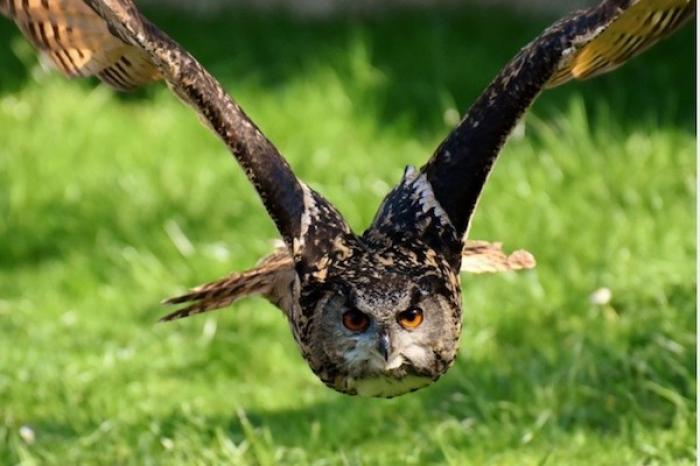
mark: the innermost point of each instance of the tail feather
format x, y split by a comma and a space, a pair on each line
484, 257
267, 279
274, 274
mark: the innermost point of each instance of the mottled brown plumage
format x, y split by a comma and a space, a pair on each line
379, 313
272, 276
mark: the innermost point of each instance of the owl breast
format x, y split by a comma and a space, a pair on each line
385, 386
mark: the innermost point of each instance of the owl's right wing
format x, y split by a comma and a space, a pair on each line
111, 39
78, 42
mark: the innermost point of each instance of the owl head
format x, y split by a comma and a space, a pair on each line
383, 334
380, 315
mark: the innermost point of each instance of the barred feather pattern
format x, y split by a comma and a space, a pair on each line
643, 24
78, 43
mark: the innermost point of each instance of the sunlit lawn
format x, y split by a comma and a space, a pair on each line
110, 203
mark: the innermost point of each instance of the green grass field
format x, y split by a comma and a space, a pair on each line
110, 203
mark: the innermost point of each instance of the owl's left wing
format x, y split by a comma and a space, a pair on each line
642, 25
583, 44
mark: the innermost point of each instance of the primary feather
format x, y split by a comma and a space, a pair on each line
643, 24
79, 43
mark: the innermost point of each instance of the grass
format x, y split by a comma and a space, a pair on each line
109, 203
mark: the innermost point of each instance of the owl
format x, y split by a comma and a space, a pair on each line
377, 313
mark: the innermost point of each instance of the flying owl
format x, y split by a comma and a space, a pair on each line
378, 313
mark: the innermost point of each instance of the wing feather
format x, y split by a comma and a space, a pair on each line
78, 42
642, 25
580, 45
110, 39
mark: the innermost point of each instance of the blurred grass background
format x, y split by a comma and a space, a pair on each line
108, 203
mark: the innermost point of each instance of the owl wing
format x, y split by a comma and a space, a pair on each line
642, 25
274, 276
78, 42
111, 39
583, 44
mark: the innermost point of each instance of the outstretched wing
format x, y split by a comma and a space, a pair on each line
78, 42
274, 277
111, 39
583, 44
643, 24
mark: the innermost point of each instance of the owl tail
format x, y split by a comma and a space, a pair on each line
271, 279
484, 257
274, 277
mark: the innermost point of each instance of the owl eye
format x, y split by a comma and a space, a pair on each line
355, 320
411, 318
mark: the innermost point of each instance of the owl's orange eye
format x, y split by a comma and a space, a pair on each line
411, 318
355, 320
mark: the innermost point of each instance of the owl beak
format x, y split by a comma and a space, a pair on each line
384, 345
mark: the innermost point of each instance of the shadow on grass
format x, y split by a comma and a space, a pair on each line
588, 383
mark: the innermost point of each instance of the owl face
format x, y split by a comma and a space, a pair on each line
385, 336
